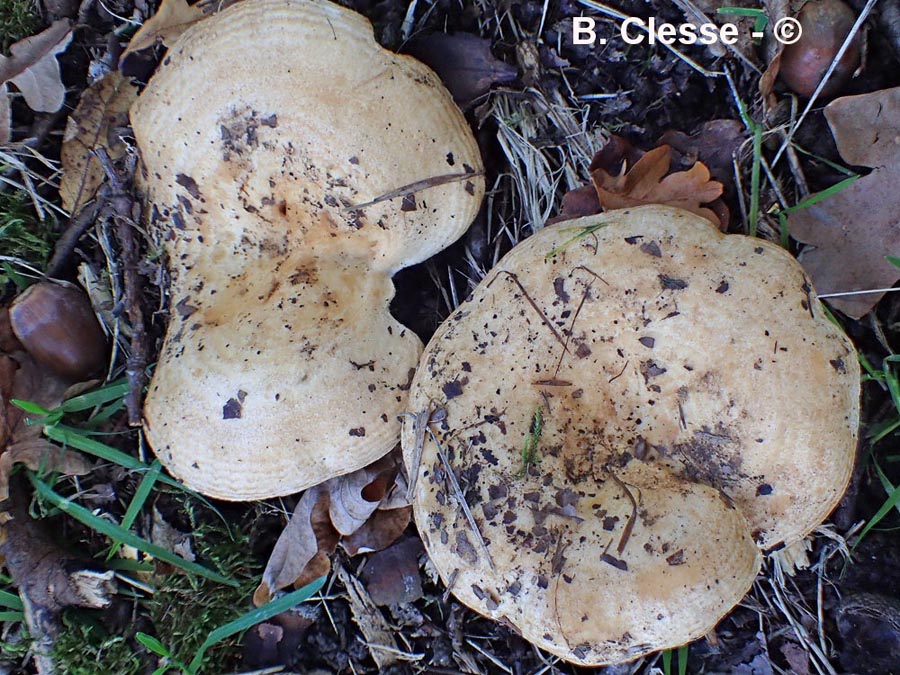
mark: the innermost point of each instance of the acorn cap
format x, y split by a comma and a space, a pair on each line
635, 404
266, 135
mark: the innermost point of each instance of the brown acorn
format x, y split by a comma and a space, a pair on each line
825, 24
57, 326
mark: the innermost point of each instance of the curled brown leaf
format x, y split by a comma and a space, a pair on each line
32, 67
171, 19
361, 507
647, 183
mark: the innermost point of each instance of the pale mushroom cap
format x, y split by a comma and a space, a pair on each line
698, 369
263, 128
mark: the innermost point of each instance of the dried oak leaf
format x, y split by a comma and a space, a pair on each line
846, 251
171, 19
97, 122
33, 68
21, 378
339, 507
647, 183
379, 531
303, 548
464, 63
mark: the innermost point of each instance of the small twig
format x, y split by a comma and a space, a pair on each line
120, 207
616, 377
629, 526
421, 420
865, 292
78, 225
534, 306
461, 500
587, 269
584, 297
419, 185
796, 170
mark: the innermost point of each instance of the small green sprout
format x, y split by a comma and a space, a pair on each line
581, 232
532, 439
760, 18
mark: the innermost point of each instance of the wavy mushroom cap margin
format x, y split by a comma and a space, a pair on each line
634, 407
276, 140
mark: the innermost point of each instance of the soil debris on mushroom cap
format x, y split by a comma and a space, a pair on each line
696, 407
287, 190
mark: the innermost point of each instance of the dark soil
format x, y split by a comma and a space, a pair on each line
657, 93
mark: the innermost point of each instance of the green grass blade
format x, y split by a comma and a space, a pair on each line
741, 11
876, 375
255, 616
29, 407
581, 233
683, 659
889, 487
890, 378
824, 194
784, 230
141, 494
74, 438
119, 533
137, 502
667, 662
890, 503
126, 565
92, 399
894, 260
883, 430
105, 413
21, 282
152, 644
831, 317
827, 162
11, 600
12, 616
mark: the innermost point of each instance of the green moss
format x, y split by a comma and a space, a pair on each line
22, 234
18, 20
186, 609
85, 648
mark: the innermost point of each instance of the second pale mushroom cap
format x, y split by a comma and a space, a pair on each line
684, 402
265, 136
